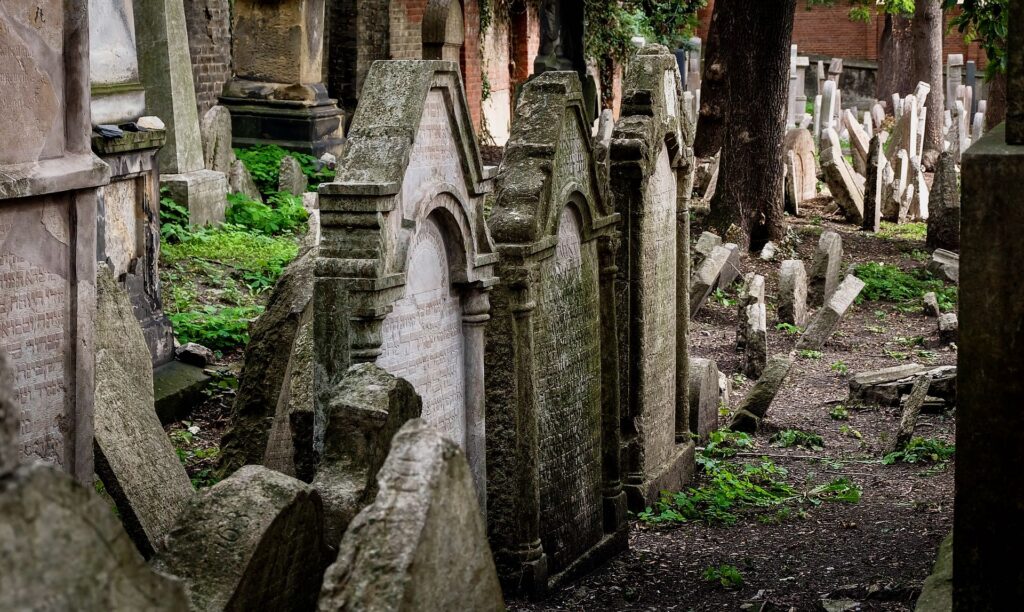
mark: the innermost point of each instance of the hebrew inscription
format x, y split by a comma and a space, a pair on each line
34, 321
569, 396
423, 339
434, 159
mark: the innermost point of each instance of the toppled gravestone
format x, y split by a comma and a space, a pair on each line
731, 269
706, 243
291, 179
911, 410
266, 374
422, 544
754, 406
828, 318
886, 387
706, 276
704, 397
251, 542
841, 178
134, 457
945, 265
826, 269
290, 449
366, 410
793, 293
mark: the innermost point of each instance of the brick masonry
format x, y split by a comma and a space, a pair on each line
209, 42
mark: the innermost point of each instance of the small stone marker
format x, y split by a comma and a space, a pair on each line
8, 417
134, 456
826, 269
800, 143
704, 397
706, 276
240, 181
291, 179
366, 410
706, 243
944, 206
931, 305
945, 265
911, 410
751, 292
216, 132
754, 406
875, 187
251, 542
828, 318
63, 549
422, 544
949, 328
793, 293
756, 346
731, 269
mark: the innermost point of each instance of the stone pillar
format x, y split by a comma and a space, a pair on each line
954, 77
48, 181
277, 95
614, 498
117, 95
476, 311
166, 73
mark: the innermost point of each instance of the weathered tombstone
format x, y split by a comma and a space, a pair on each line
945, 265
646, 153
841, 179
756, 334
826, 268
406, 262
859, 141
793, 293
277, 95
704, 397
366, 410
290, 177
954, 77
817, 118
562, 29
911, 410
166, 73
731, 270
751, 292
754, 407
706, 276
874, 189
829, 106
218, 154
803, 172
706, 243
443, 31
828, 317
252, 542
422, 544
949, 328
134, 456
48, 180
944, 213
552, 372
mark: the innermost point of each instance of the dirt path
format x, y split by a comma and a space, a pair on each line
876, 552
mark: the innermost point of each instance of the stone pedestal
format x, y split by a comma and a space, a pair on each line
117, 95
203, 192
989, 483
277, 96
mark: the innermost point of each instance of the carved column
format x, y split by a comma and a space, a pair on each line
611, 463
476, 312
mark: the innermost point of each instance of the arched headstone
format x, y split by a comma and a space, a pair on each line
443, 30
406, 262
554, 496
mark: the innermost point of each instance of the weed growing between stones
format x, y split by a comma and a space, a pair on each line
198, 457
922, 450
903, 231
264, 163
886, 282
788, 438
726, 575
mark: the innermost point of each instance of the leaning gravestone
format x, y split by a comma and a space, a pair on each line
944, 216
803, 171
826, 268
134, 456
847, 186
828, 318
405, 261
874, 188
555, 501
754, 407
251, 542
422, 544
48, 180
646, 153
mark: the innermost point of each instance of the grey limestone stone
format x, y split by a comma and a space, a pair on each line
291, 179
251, 542
949, 327
944, 206
886, 387
706, 243
706, 276
841, 179
134, 457
203, 192
875, 187
240, 181
756, 345
422, 544
828, 317
751, 292
931, 304
195, 354
826, 269
731, 269
911, 410
937, 590
216, 131
8, 417
704, 397
793, 293
945, 265
752, 410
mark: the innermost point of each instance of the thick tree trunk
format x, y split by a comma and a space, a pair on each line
996, 96
895, 59
750, 180
927, 29
713, 86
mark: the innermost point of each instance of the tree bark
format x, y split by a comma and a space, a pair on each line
713, 85
755, 38
996, 96
895, 58
927, 27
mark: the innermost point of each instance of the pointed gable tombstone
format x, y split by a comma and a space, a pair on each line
647, 151
554, 496
405, 261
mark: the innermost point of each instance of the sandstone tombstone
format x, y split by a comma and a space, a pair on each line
793, 293
216, 131
827, 268
829, 316
646, 154
48, 181
704, 397
555, 499
134, 456
803, 173
406, 261
706, 276
251, 542
290, 177
944, 216
422, 544
241, 181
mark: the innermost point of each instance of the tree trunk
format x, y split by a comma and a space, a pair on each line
755, 40
713, 86
927, 27
996, 96
895, 59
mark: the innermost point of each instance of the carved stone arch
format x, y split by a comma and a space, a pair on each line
443, 30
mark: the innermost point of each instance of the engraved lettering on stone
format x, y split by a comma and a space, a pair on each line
569, 396
435, 158
34, 316
670, 92
571, 160
423, 339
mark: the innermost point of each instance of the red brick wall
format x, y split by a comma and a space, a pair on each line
209, 43
472, 74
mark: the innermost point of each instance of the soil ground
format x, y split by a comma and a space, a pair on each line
875, 553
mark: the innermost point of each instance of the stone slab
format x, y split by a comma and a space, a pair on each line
754, 407
177, 389
826, 268
203, 192
793, 293
706, 277
704, 397
827, 319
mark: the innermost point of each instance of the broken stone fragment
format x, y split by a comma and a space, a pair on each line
945, 265
931, 305
911, 410
755, 405
194, 354
948, 328
731, 269
751, 292
251, 542
828, 318
422, 544
793, 293
756, 348
886, 387
704, 397
768, 251
706, 243
706, 276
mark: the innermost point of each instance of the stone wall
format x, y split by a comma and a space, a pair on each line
209, 43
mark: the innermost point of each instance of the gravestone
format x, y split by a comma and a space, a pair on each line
751, 292
290, 177
422, 544
555, 500
859, 141
48, 181
828, 317
252, 542
954, 77
754, 407
277, 95
647, 152
134, 456
562, 47
826, 268
944, 213
406, 261
847, 187
874, 188
704, 397
706, 276
218, 154
793, 293
803, 172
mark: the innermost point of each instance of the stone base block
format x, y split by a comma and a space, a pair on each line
671, 476
292, 125
609, 546
177, 389
203, 192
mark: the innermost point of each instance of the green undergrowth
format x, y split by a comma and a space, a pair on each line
197, 455
903, 231
789, 438
889, 283
264, 164
922, 450
731, 490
